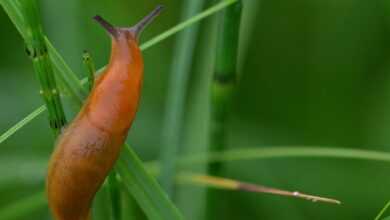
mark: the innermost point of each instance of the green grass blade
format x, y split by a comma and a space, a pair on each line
223, 4
22, 123
285, 152
115, 195
382, 211
144, 188
11, 8
100, 209
177, 90
277, 152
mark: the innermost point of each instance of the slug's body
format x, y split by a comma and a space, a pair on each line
89, 147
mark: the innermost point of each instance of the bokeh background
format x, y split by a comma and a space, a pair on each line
312, 72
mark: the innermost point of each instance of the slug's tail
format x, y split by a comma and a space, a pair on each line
135, 30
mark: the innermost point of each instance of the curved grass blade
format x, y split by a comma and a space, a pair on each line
22, 123
175, 101
285, 152
383, 210
185, 24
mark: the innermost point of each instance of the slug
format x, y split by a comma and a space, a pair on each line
87, 149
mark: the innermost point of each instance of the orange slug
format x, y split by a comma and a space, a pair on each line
88, 148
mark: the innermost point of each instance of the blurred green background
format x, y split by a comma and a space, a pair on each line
312, 72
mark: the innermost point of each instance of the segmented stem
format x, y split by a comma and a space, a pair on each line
222, 91
36, 49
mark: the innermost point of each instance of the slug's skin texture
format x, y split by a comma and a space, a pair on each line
90, 145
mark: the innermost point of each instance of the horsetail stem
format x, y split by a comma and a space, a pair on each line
36, 49
222, 91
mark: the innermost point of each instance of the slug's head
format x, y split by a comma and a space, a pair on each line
132, 33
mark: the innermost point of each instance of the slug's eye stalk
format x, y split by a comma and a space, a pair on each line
106, 25
137, 29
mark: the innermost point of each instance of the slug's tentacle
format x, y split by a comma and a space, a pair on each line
106, 25
140, 26
135, 30
88, 148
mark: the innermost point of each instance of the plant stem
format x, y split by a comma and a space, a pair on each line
90, 67
177, 89
100, 209
111, 186
115, 195
222, 91
37, 50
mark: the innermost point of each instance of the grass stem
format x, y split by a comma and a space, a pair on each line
37, 50
177, 90
90, 69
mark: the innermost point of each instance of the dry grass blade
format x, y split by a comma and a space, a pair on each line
231, 184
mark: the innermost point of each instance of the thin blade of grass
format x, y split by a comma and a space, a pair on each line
22, 123
11, 8
285, 152
177, 90
100, 209
144, 188
223, 4
231, 184
115, 195
382, 211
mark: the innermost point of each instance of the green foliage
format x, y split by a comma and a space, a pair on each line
312, 73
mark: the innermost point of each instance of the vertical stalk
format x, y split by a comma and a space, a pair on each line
182, 59
111, 186
90, 67
222, 91
115, 195
37, 50
100, 209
